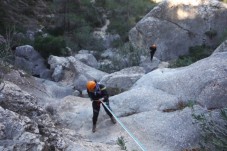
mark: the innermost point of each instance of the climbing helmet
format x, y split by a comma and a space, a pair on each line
91, 85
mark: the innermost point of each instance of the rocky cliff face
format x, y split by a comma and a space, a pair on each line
176, 25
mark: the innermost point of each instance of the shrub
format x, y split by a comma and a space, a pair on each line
85, 39
50, 45
214, 133
211, 33
128, 56
122, 143
124, 14
195, 53
5, 52
55, 31
223, 36
199, 52
181, 62
5, 59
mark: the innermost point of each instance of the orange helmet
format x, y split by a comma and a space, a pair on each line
91, 85
153, 46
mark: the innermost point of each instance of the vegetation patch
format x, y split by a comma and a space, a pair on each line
128, 56
180, 105
211, 33
50, 45
122, 143
213, 132
195, 53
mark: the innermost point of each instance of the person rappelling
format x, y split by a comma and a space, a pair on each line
98, 95
153, 49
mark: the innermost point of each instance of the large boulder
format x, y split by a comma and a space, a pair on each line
159, 103
31, 61
175, 25
19, 132
18, 100
122, 80
45, 90
203, 81
74, 71
85, 70
87, 59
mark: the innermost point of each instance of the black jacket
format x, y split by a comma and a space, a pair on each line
100, 92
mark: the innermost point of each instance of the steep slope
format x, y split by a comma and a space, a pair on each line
28, 14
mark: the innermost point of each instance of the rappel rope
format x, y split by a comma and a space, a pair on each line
132, 136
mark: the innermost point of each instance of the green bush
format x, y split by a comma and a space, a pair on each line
211, 33
128, 56
214, 133
86, 40
55, 31
225, 1
80, 18
124, 14
28, 12
50, 45
122, 143
195, 53
223, 36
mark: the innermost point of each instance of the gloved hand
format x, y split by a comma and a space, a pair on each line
101, 99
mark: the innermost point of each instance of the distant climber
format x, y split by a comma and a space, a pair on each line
97, 93
152, 50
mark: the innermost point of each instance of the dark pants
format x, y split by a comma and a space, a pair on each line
152, 52
96, 109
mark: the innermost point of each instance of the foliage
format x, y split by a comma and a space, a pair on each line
128, 56
124, 14
195, 53
73, 14
50, 45
214, 133
180, 105
5, 47
2, 18
225, 1
181, 62
223, 36
76, 20
85, 39
79, 19
211, 33
5, 53
55, 31
122, 143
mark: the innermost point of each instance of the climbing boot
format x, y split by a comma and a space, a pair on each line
113, 120
94, 128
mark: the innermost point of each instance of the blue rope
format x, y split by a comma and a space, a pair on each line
133, 137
